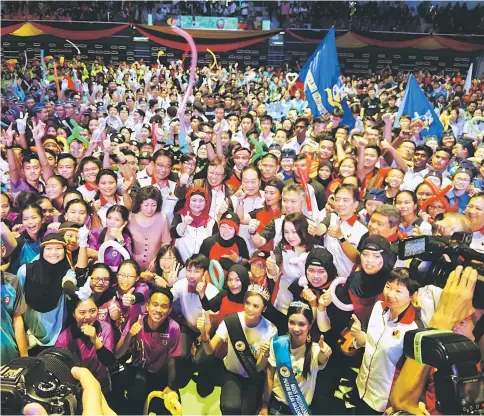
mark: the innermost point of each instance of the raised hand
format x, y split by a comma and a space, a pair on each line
200, 288
308, 295
271, 264
356, 327
136, 328
128, 298
114, 309
188, 219
325, 300
265, 349
89, 331
253, 225
232, 256
325, 348
334, 229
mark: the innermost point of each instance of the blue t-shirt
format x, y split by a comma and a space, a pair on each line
13, 304
44, 326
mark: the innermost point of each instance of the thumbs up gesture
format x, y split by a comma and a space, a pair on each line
309, 296
136, 328
356, 327
202, 327
200, 288
253, 225
265, 349
324, 300
188, 219
272, 265
128, 299
325, 349
334, 229
114, 309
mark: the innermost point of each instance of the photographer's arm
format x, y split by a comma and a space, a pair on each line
454, 306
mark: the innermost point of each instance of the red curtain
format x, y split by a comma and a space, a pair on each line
79, 35
458, 45
12, 28
221, 47
390, 44
302, 38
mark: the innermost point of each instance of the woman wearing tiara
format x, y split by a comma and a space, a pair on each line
248, 335
294, 362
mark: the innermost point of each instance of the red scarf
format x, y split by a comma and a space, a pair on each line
198, 220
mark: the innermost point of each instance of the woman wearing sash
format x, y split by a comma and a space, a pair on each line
294, 362
248, 335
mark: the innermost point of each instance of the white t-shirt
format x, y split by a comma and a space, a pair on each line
307, 385
190, 303
264, 332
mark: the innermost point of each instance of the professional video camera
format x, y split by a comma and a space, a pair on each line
427, 252
459, 386
45, 379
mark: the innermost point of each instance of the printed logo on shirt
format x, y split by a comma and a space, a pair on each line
6, 300
102, 314
240, 346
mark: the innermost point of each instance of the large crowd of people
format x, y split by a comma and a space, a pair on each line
357, 16
164, 242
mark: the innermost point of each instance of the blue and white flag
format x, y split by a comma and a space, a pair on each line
417, 106
323, 86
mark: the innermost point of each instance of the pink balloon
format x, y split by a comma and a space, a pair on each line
193, 69
332, 291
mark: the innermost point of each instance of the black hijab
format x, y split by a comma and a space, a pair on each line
43, 280
325, 182
366, 285
243, 274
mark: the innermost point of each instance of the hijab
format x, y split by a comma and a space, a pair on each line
365, 285
243, 274
43, 281
325, 182
202, 219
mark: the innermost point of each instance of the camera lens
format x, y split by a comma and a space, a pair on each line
59, 362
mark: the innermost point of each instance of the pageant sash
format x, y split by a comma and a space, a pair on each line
240, 344
294, 396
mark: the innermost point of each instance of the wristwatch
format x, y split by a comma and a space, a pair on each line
341, 240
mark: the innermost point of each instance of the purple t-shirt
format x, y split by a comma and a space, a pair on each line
129, 315
73, 340
153, 348
112, 257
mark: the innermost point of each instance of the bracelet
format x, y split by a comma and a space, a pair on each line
9, 147
341, 240
254, 233
240, 260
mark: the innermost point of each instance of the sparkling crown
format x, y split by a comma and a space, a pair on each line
299, 304
261, 290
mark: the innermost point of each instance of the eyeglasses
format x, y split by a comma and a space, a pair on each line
126, 276
168, 258
96, 280
189, 163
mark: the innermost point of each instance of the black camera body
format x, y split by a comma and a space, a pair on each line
45, 379
433, 250
459, 386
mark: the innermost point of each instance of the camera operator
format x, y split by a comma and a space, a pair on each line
454, 306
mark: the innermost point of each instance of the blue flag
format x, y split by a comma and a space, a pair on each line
417, 106
323, 86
